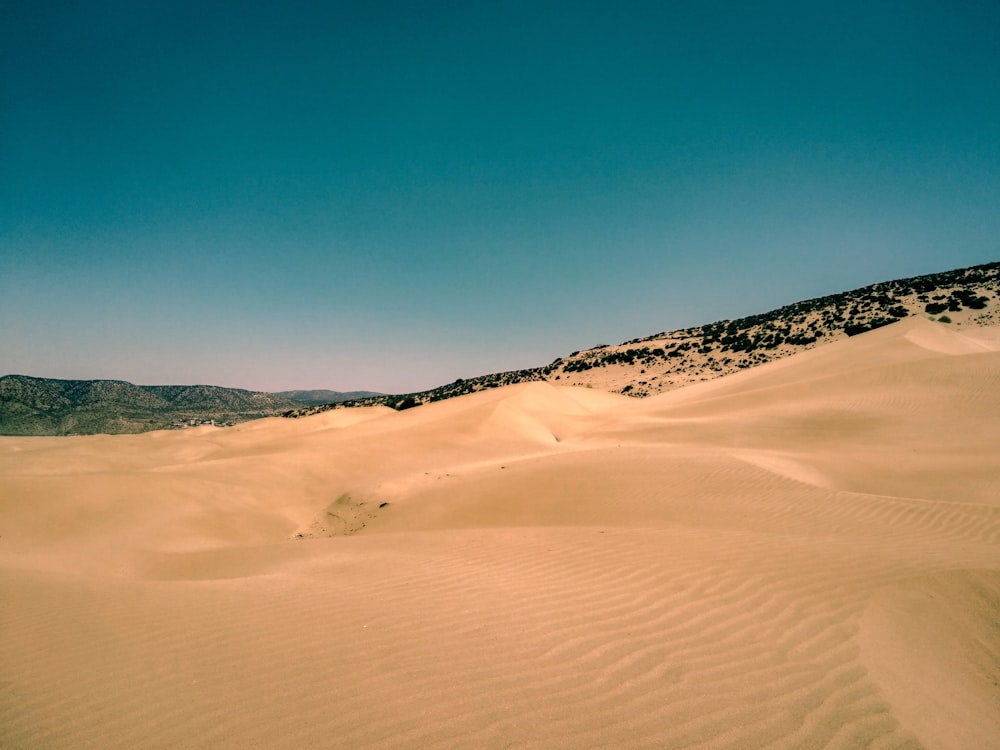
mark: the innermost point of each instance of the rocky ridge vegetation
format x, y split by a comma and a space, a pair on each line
664, 361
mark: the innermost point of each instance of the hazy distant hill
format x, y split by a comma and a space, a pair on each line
664, 361
314, 398
44, 406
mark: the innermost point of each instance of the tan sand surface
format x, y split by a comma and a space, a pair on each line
802, 555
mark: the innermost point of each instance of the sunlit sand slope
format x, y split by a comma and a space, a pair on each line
803, 555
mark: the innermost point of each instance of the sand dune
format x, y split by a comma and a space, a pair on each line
802, 555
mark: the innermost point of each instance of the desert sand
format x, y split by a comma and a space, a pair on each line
801, 555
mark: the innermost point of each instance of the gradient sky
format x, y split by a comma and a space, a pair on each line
389, 196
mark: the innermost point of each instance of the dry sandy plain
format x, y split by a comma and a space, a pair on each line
802, 555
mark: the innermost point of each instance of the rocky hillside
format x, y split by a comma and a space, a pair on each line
668, 360
44, 406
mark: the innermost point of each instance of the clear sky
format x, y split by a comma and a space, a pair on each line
389, 196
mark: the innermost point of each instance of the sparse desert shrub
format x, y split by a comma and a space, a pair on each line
970, 299
579, 365
944, 319
853, 329
739, 343
800, 339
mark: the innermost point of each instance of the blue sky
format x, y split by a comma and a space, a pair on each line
389, 196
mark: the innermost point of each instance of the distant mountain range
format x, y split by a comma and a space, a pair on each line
640, 367
45, 406
664, 361
315, 398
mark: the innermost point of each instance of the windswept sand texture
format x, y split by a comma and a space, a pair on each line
801, 555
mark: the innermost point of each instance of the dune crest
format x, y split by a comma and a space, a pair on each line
945, 340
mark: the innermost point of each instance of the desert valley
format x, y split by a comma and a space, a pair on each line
528, 376
799, 554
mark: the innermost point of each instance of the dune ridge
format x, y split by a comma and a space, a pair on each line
802, 555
